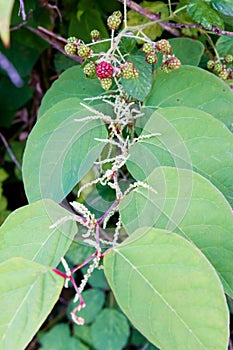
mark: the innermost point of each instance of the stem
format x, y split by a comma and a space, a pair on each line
212, 45
11, 154
125, 14
97, 236
60, 273
22, 10
101, 219
79, 266
170, 7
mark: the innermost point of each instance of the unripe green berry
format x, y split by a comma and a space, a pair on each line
84, 51
164, 46
135, 73
223, 74
228, 58
95, 35
71, 40
117, 14
127, 70
89, 69
106, 83
218, 67
210, 64
147, 48
70, 49
151, 58
114, 21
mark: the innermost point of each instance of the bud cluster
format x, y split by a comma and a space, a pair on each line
219, 67
111, 65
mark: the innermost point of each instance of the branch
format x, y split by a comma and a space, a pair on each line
151, 16
8, 67
171, 26
54, 40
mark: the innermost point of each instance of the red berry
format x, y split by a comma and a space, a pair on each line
104, 70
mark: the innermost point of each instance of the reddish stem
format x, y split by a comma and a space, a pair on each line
60, 273
101, 219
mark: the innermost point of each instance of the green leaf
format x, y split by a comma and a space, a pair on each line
223, 6
139, 87
83, 333
58, 338
224, 45
5, 18
61, 150
110, 331
191, 206
71, 83
9, 105
28, 50
27, 233
190, 139
162, 282
202, 13
193, 87
63, 62
94, 300
194, 49
82, 24
28, 292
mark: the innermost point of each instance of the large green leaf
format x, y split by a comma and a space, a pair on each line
193, 87
190, 138
72, 83
193, 50
203, 14
169, 291
27, 233
28, 292
223, 6
61, 150
224, 45
190, 205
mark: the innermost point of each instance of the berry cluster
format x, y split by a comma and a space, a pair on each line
111, 65
170, 62
220, 68
75, 46
128, 70
114, 21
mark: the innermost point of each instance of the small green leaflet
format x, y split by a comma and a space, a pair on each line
202, 13
223, 6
